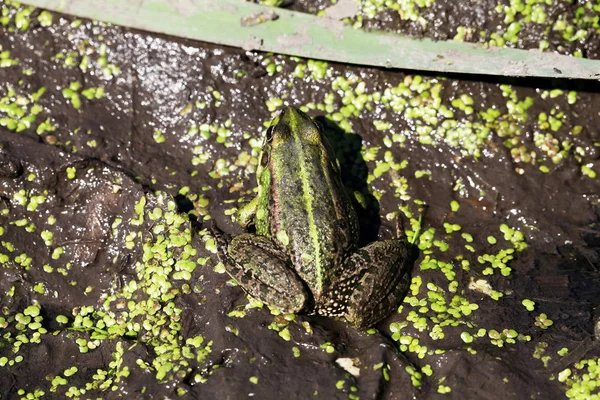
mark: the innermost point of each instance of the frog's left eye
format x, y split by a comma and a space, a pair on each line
269, 136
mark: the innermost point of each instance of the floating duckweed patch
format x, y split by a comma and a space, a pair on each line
19, 111
141, 311
407, 10
416, 101
167, 255
565, 27
581, 380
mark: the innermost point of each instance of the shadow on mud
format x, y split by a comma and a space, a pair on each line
354, 176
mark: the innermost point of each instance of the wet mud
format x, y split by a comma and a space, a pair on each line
106, 265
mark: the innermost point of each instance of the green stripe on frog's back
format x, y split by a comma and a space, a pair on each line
310, 203
262, 212
265, 178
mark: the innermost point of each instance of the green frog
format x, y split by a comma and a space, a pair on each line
304, 255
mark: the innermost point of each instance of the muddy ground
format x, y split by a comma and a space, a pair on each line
118, 148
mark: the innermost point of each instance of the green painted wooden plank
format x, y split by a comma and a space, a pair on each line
304, 35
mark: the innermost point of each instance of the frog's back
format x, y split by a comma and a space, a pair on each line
316, 215
310, 212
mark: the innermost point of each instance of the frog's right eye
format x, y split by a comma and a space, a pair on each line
319, 126
269, 136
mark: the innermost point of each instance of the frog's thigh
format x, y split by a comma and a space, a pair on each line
263, 271
383, 278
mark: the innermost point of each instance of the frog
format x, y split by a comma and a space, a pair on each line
303, 255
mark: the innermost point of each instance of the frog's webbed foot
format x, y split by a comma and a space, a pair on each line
380, 280
263, 271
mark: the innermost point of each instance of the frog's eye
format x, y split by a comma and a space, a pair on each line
319, 126
269, 136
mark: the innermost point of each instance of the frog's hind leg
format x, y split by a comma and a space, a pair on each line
380, 280
263, 271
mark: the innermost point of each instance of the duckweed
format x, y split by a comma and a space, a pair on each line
328, 347
444, 389
71, 94
563, 352
528, 304
406, 10
543, 321
454, 206
415, 376
581, 380
5, 60
587, 170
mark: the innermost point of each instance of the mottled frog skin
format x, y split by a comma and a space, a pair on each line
304, 255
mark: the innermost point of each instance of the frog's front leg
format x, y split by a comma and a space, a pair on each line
380, 279
247, 213
263, 271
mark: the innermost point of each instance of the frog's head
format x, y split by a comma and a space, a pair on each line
294, 139
293, 125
